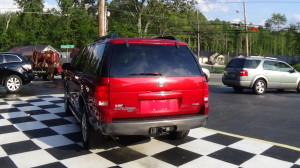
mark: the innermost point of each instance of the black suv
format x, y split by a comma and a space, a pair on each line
15, 71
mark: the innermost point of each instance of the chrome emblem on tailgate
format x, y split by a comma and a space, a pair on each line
161, 82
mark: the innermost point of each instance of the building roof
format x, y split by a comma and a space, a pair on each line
28, 50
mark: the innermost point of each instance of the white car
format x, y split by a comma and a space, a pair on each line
206, 73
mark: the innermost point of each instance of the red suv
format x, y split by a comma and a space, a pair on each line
136, 86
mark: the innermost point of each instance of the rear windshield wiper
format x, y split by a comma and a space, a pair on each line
146, 74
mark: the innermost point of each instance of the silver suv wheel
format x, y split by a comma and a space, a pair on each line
260, 87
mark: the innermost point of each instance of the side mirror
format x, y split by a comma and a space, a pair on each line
292, 71
67, 66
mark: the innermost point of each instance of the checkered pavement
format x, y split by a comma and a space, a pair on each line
36, 132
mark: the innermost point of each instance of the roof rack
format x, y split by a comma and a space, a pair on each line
167, 37
109, 36
272, 58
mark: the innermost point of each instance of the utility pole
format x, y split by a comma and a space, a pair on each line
101, 18
246, 32
198, 38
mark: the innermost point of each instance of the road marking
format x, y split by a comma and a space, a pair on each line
254, 139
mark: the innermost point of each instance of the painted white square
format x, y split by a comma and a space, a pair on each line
200, 133
88, 161
42, 117
65, 129
32, 158
2, 152
147, 162
52, 141
251, 146
14, 115
6, 106
208, 162
298, 162
60, 104
30, 126
51, 99
4, 122
152, 147
40, 103
29, 108
12, 137
56, 110
15, 102
260, 161
202, 147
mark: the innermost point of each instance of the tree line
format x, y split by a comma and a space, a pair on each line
76, 23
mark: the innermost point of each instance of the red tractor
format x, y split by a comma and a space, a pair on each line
46, 64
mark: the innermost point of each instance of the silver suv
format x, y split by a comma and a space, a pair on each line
260, 73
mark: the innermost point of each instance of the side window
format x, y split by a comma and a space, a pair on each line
283, 67
95, 62
270, 65
80, 60
1, 59
251, 64
12, 58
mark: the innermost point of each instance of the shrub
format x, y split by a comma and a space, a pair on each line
297, 67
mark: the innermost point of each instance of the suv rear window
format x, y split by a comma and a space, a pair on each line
243, 63
153, 60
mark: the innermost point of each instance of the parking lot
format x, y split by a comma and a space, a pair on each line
243, 130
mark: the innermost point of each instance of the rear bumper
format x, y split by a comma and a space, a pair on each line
237, 83
143, 127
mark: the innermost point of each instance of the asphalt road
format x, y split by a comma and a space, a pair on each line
273, 116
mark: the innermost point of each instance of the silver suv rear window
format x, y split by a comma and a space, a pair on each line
153, 60
243, 63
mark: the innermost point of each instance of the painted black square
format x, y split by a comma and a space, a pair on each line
63, 114
176, 156
21, 120
51, 165
68, 151
56, 122
233, 156
19, 147
176, 142
37, 133
37, 112
9, 110
282, 154
3, 103
1, 117
49, 106
22, 105
7, 162
222, 139
34, 100
8, 129
75, 137
16, 99
295, 166
57, 101
121, 155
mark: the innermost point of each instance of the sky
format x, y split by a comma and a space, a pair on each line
257, 11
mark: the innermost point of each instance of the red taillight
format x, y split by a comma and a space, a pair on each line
102, 95
205, 92
243, 73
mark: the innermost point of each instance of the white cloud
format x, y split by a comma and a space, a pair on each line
50, 6
8, 6
262, 22
236, 20
216, 6
297, 17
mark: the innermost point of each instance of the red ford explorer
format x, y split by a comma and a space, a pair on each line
136, 86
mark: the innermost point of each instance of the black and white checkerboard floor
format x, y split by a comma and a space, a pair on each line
35, 132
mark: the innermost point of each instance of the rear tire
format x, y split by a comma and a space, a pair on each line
178, 135
67, 104
238, 89
87, 132
13, 84
298, 88
260, 87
